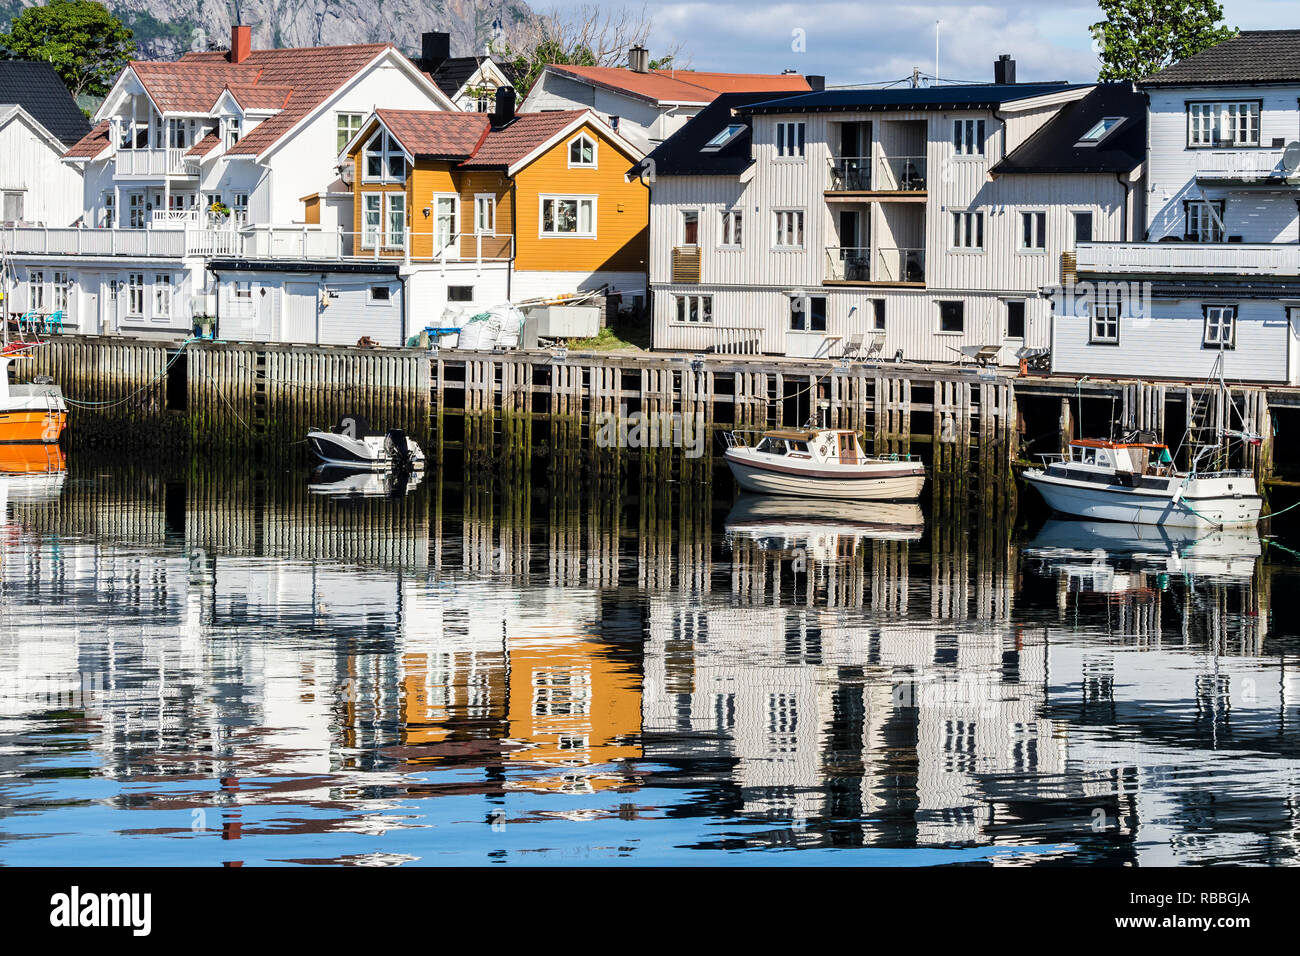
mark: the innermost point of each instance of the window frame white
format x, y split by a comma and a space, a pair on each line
682, 302
544, 198
577, 142
352, 131
791, 148
1220, 310
973, 220
780, 228
969, 137
1109, 313
370, 234
484, 201
388, 150
135, 295
162, 296
395, 240
1207, 120
732, 229
1033, 222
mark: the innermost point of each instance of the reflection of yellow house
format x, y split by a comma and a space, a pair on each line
443, 693
545, 196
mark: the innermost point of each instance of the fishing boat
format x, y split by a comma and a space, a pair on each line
352, 445
821, 463
30, 414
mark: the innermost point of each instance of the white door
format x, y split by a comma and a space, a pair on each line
1293, 345
88, 314
300, 304
805, 334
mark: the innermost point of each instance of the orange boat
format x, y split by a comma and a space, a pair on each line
30, 414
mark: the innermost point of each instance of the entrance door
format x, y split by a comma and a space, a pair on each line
300, 305
88, 318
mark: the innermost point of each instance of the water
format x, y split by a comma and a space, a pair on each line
216, 667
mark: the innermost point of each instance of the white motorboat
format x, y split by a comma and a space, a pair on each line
821, 463
1135, 482
352, 445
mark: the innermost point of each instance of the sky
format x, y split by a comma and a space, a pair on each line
866, 42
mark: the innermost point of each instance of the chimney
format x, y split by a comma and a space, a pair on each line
435, 49
505, 107
1004, 69
816, 83
241, 43
638, 59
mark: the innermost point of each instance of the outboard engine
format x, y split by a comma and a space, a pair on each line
399, 452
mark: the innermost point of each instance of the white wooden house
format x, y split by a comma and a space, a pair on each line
909, 222
38, 121
1216, 276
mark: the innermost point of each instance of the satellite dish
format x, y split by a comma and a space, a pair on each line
347, 172
1291, 159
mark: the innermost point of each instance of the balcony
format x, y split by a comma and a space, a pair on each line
849, 174
154, 163
1188, 258
1239, 167
35, 240
886, 178
885, 266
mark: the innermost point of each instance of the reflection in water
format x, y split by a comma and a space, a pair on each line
217, 668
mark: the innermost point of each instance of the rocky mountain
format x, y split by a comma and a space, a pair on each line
166, 28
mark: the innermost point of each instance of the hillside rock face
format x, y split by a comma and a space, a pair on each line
165, 29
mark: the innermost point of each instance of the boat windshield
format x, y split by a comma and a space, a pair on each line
771, 446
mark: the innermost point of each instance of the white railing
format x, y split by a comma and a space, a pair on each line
1203, 258
1238, 163
155, 162
176, 218
35, 240
312, 243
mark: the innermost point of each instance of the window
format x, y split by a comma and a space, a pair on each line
372, 216
697, 309
380, 293
1220, 326
446, 220
790, 140
239, 208
1204, 220
952, 317
878, 315
1104, 329
968, 230
62, 291
135, 293
349, 124
460, 293
968, 137
110, 212
396, 236
36, 291
243, 289
1033, 230
569, 216
162, 296
732, 232
730, 132
383, 160
690, 227
789, 228
233, 127
135, 211
582, 152
177, 133
485, 214
808, 313
1016, 319
11, 206
1223, 124
1082, 226
1104, 128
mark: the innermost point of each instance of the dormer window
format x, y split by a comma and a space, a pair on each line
383, 159
723, 138
1099, 132
233, 127
582, 152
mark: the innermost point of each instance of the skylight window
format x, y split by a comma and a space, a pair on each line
723, 138
1099, 132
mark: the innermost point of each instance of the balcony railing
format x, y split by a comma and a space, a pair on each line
901, 174
849, 174
1244, 164
154, 162
848, 263
899, 265
34, 240
1188, 258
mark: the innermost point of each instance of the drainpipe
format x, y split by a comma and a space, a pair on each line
1124, 223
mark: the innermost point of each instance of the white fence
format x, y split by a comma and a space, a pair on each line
1204, 258
37, 240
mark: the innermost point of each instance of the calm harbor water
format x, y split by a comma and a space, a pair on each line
217, 668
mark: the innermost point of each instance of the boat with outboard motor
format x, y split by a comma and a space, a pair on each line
821, 463
352, 445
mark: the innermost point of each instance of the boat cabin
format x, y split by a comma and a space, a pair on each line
1137, 458
832, 446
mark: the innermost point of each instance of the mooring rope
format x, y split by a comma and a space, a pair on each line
76, 403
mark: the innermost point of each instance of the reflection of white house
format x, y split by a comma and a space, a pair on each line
39, 120
1217, 274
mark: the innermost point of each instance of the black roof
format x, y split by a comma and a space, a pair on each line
971, 96
1053, 148
1252, 56
681, 155
37, 89
455, 71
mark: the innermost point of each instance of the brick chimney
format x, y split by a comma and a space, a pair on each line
241, 43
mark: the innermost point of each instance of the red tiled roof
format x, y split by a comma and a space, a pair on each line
295, 81
430, 133
507, 146
206, 144
683, 86
90, 145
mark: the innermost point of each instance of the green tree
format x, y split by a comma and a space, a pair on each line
527, 64
86, 45
1141, 37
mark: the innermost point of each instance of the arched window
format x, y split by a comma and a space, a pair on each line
582, 151
383, 160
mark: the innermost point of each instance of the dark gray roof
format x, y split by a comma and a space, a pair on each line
681, 155
971, 96
1252, 56
37, 89
455, 72
1054, 149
